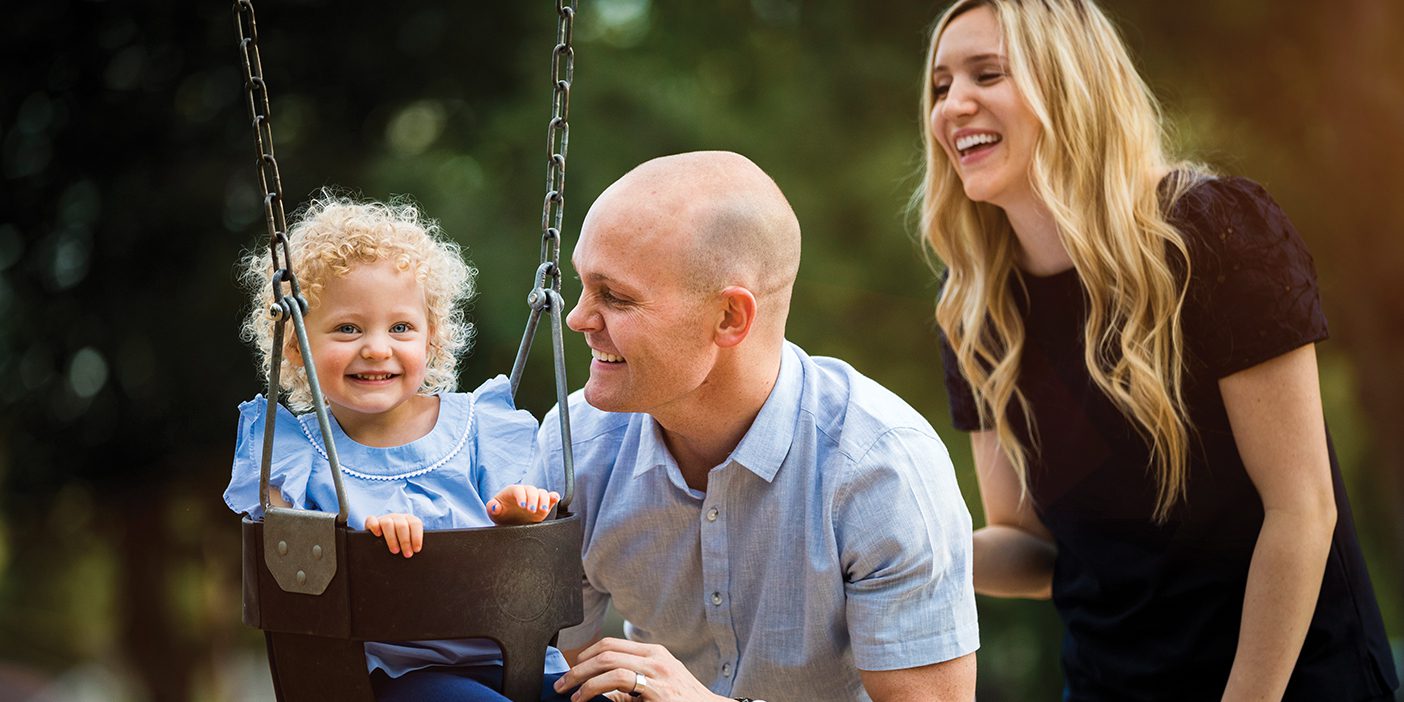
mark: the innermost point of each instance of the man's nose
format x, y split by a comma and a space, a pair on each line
579, 318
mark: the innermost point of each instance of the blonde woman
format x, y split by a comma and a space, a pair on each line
1130, 341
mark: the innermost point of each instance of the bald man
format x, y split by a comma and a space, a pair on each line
770, 525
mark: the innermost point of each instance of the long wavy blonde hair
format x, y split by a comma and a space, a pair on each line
1097, 165
332, 234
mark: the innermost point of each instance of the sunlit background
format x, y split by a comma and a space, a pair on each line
129, 190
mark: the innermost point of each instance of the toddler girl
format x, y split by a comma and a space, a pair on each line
385, 325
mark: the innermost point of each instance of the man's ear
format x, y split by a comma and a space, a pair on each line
739, 311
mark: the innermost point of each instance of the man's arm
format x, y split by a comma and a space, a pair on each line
904, 538
948, 680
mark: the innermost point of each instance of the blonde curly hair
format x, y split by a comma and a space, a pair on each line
334, 233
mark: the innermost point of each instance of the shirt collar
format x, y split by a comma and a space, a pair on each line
766, 444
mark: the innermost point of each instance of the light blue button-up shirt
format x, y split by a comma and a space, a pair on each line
832, 539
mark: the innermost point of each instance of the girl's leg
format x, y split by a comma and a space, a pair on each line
549, 694
440, 684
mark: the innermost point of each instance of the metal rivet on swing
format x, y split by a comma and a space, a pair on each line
317, 552
282, 548
301, 577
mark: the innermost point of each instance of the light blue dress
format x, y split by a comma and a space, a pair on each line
480, 444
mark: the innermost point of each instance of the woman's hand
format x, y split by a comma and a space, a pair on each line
403, 533
521, 504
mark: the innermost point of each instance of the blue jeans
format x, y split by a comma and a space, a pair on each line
455, 684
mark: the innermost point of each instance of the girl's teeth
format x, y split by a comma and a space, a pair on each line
605, 357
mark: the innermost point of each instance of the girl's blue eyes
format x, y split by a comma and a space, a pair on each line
397, 328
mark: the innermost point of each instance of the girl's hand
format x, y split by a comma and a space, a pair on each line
403, 533
521, 504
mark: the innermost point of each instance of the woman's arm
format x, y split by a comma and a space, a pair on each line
1275, 411
1013, 554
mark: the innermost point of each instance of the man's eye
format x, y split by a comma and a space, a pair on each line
401, 328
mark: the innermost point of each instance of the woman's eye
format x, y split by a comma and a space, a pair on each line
989, 76
940, 91
400, 328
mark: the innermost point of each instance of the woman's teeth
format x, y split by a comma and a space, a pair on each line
971, 141
605, 357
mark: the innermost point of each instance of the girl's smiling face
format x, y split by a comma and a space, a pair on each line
369, 335
978, 116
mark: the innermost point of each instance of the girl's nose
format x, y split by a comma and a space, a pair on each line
374, 348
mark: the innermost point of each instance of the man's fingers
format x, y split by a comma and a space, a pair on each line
621, 679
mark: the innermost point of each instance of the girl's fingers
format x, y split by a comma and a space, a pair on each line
373, 526
392, 540
402, 530
417, 534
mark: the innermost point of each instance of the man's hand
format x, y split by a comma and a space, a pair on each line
403, 533
611, 667
521, 504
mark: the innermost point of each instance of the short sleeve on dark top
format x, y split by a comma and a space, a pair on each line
1253, 293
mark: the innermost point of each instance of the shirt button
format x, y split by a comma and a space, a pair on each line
712, 514
716, 598
726, 670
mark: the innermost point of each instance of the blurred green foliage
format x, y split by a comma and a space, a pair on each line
129, 191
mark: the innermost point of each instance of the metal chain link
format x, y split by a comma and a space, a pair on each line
269, 179
557, 144
290, 305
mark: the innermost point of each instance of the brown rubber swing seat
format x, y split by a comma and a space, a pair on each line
516, 585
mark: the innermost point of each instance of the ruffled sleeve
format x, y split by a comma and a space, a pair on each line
1253, 293
505, 439
292, 465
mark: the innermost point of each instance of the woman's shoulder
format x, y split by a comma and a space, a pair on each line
1252, 290
1228, 212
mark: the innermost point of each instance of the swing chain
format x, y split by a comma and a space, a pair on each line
558, 141
269, 178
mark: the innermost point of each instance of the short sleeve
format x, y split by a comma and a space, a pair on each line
505, 439
904, 538
290, 469
1253, 292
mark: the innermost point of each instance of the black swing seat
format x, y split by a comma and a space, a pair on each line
516, 585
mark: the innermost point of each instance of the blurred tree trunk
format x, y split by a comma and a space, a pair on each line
154, 645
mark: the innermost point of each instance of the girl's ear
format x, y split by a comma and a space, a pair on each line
293, 353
